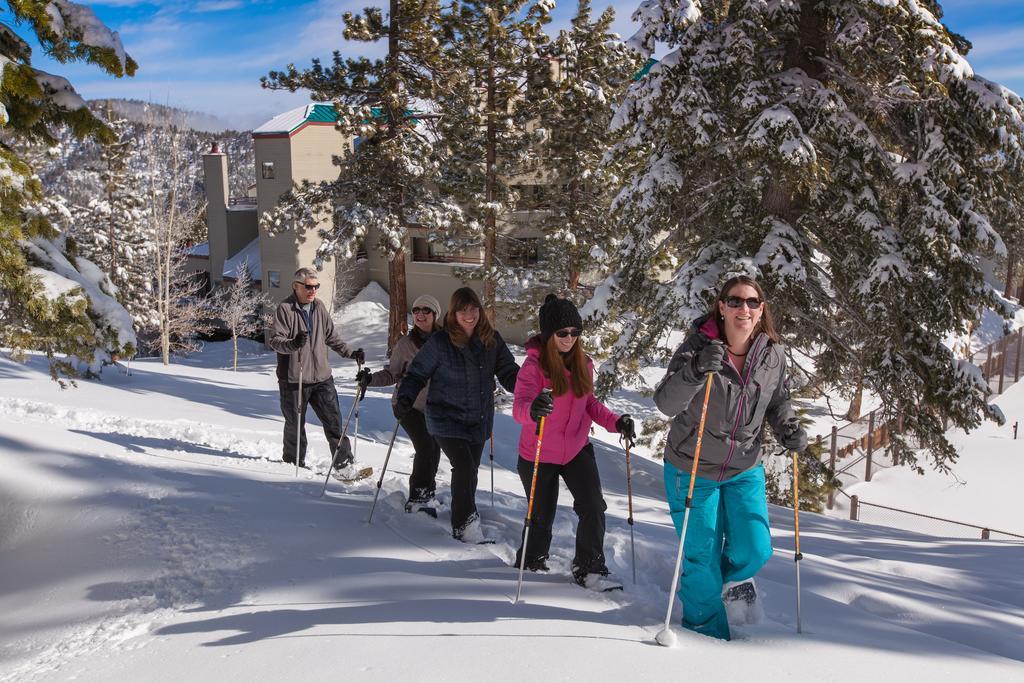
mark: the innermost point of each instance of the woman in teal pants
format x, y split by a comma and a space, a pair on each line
727, 538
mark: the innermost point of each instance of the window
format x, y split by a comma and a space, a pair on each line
274, 277
423, 251
268, 170
524, 251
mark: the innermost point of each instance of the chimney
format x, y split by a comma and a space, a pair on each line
215, 168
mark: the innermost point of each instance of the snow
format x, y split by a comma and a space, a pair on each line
59, 90
247, 255
149, 531
64, 14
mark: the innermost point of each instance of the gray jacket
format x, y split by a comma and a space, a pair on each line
405, 350
738, 407
288, 322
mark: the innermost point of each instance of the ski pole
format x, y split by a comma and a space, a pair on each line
380, 481
797, 556
344, 431
529, 508
665, 636
298, 412
362, 392
629, 501
492, 468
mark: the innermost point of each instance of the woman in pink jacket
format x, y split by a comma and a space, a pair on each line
556, 362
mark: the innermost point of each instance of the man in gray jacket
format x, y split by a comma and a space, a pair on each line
302, 332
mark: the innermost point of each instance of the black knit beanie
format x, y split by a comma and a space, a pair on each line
556, 314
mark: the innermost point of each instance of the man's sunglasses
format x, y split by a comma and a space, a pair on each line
736, 302
421, 311
309, 288
575, 332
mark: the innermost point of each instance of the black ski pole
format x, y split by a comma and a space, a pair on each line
492, 468
629, 502
384, 469
344, 432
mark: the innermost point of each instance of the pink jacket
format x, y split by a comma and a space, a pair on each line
567, 428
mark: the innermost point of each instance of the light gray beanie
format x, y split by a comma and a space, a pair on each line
427, 301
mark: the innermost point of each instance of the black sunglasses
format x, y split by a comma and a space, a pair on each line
575, 332
419, 309
736, 302
309, 288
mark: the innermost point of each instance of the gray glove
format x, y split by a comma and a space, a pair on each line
710, 358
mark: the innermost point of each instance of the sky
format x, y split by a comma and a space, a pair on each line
208, 55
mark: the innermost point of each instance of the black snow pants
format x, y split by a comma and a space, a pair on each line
423, 481
322, 397
465, 459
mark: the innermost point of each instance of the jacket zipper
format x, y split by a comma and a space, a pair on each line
739, 408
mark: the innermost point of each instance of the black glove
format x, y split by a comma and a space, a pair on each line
541, 406
624, 426
358, 356
300, 340
402, 407
363, 378
710, 358
794, 438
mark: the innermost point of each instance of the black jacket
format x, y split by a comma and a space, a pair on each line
460, 400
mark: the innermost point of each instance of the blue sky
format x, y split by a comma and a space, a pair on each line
208, 55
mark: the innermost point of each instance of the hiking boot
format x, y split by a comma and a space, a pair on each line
598, 580
351, 471
742, 605
535, 564
471, 531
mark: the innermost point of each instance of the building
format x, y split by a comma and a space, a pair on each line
300, 145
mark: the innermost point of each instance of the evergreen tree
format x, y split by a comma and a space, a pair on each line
593, 70
113, 230
387, 180
49, 299
488, 129
839, 150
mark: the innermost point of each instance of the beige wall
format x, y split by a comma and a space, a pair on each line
242, 228
215, 171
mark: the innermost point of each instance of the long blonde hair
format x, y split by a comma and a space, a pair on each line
576, 362
462, 298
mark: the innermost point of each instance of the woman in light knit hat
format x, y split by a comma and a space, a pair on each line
426, 312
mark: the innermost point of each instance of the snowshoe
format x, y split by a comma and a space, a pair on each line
351, 473
599, 581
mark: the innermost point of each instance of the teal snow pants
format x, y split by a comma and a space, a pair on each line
727, 539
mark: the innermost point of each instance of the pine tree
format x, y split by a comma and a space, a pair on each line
387, 180
593, 70
487, 129
49, 299
242, 306
839, 150
113, 230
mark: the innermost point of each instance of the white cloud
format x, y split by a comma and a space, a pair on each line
996, 43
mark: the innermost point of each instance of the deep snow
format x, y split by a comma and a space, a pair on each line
148, 531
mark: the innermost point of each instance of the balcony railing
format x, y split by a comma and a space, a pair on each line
242, 201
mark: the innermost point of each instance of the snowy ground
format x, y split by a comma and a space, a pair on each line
149, 532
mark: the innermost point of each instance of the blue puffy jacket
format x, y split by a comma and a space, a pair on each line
460, 400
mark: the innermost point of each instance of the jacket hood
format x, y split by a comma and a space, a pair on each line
706, 325
533, 346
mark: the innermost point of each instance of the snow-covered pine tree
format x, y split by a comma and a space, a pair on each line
593, 70
49, 299
243, 308
113, 230
838, 150
387, 181
488, 129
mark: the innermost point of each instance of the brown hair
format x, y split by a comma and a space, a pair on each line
554, 366
463, 298
766, 324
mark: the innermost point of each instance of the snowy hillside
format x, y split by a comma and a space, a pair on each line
149, 531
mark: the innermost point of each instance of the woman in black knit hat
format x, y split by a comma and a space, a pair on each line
556, 362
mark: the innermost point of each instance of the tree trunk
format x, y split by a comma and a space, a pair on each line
234, 348
1011, 267
490, 224
853, 414
397, 324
